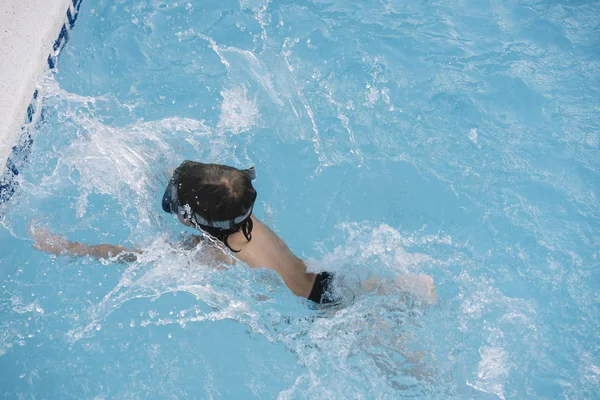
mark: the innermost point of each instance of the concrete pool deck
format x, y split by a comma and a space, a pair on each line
29, 32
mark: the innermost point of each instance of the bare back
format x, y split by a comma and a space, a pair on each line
267, 250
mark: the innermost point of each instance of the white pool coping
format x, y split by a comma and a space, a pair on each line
28, 32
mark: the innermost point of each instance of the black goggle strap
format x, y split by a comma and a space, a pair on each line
171, 204
225, 239
223, 235
247, 226
211, 238
225, 225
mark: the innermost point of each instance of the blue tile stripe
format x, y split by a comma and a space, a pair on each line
62, 38
20, 152
72, 19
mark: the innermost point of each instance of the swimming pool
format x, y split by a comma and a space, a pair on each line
459, 140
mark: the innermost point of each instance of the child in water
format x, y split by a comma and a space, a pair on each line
218, 200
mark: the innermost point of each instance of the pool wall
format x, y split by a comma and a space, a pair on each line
32, 34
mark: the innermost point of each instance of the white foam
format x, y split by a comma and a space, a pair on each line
372, 95
20, 308
383, 246
473, 136
239, 111
492, 370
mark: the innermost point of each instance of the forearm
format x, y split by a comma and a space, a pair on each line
105, 251
419, 285
52, 243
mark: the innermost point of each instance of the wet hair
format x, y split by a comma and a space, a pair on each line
217, 193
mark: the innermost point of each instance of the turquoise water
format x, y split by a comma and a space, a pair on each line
456, 139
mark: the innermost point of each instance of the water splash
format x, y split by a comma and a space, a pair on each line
238, 112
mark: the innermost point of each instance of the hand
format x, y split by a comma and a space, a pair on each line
47, 241
421, 286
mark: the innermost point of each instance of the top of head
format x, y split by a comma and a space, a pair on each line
215, 192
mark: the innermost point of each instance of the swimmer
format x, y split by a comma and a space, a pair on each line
218, 200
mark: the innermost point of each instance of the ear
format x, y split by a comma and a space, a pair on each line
252, 173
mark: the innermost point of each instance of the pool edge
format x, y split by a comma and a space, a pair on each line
32, 37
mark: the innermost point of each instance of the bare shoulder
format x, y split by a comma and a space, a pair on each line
265, 249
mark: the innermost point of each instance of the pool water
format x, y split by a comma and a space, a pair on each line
456, 139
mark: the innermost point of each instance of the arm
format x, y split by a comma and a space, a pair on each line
421, 286
56, 244
101, 251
